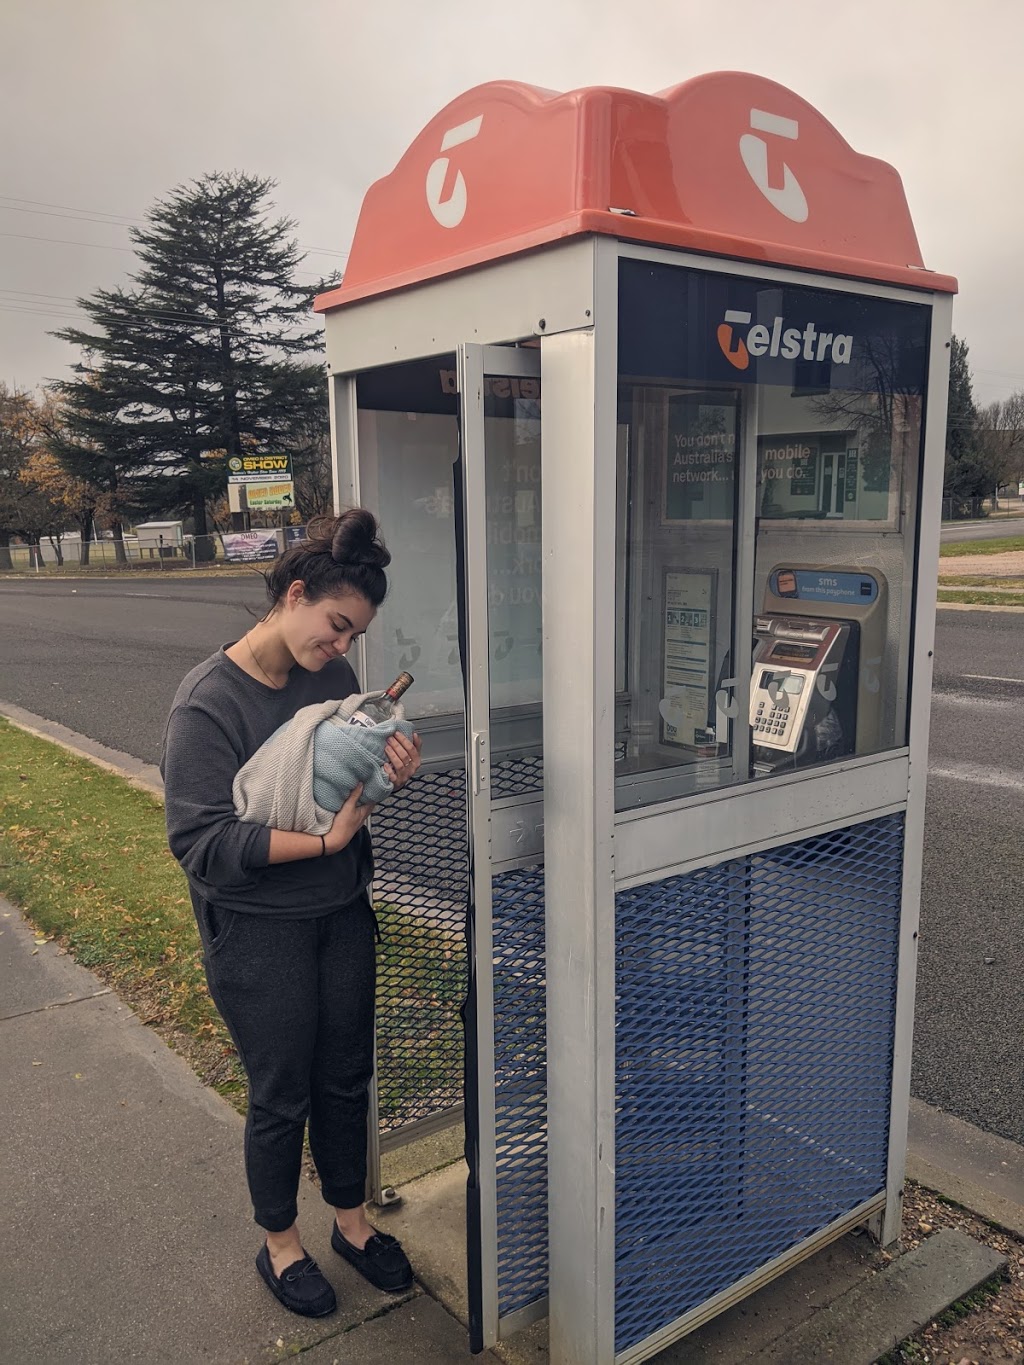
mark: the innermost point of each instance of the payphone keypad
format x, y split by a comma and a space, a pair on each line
777, 706
791, 660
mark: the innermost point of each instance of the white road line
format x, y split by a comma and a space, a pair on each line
978, 775
989, 677
975, 703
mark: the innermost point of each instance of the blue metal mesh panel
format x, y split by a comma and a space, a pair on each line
420, 890
754, 1036
517, 776
520, 1090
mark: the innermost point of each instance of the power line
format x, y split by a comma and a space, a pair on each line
151, 320
65, 241
116, 220
99, 213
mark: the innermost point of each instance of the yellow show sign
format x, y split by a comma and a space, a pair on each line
262, 496
259, 468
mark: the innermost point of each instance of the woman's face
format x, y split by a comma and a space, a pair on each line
318, 631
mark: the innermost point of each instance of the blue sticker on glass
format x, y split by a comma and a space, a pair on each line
813, 585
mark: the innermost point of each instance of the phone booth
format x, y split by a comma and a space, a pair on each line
648, 392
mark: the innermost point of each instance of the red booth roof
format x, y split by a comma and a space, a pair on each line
727, 164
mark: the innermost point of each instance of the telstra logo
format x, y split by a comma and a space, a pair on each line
793, 343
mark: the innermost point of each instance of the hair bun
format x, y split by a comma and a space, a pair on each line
351, 538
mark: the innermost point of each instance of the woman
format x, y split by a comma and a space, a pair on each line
285, 918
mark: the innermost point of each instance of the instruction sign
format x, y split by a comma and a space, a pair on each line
686, 691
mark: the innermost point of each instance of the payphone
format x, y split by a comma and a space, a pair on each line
817, 650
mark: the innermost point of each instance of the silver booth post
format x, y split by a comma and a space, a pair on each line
649, 395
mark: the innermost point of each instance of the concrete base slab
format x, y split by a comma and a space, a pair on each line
873, 1317
431, 1225
844, 1305
419, 1332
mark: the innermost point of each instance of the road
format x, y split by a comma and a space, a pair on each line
104, 658
969, 1056
982, 530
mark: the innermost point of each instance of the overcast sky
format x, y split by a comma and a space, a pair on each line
107, 104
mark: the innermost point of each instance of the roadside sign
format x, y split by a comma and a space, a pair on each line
261, 496
247, 547
259, 468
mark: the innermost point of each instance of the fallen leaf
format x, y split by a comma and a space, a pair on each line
40, 941
37, 1063
78, 1075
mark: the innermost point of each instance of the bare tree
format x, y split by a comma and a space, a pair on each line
1001, 438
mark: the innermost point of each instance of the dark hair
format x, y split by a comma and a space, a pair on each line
339, 554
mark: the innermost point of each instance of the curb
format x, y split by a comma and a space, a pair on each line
133, 770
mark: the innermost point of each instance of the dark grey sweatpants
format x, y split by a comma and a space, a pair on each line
297, 996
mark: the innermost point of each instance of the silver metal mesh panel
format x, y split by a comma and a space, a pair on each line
420, 891
754, 1037
520, 1088
517, 776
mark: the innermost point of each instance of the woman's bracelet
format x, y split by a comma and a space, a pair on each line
323, 846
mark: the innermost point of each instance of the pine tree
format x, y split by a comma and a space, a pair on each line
966, 475
207, 351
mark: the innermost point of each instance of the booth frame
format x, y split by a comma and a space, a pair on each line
566, 296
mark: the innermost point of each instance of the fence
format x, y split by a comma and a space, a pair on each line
161, 554
971, 509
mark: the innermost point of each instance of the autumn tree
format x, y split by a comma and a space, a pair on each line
209, 348
19, 439
71, 499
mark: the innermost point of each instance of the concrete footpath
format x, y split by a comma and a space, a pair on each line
127, 1235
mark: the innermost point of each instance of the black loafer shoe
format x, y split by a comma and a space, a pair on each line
301, 1287
382, 1261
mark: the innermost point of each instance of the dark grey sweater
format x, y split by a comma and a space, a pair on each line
219, 718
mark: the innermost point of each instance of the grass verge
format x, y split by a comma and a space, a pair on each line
978, 597
954, 549
85, 857
974, 580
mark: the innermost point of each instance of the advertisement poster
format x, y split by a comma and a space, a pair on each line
689, 657
700, 465
262, 497
249, 547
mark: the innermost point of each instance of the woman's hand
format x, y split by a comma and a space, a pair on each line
348, 821
403, 758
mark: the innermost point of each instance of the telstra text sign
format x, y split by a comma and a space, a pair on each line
739, 341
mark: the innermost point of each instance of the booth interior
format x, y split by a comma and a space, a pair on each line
805, 482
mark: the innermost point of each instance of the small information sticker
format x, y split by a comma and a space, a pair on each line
812, 585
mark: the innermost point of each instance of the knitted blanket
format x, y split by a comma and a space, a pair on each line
304, 773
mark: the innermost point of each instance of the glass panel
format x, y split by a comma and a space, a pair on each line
512, 459
829, 388
676, 591
408, 443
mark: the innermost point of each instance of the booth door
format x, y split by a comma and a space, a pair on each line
500, 579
